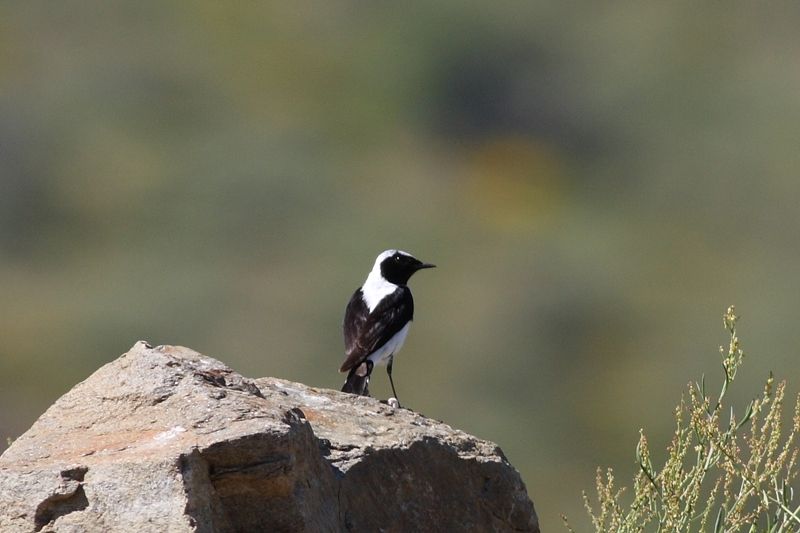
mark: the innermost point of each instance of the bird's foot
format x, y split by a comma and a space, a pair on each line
393, 402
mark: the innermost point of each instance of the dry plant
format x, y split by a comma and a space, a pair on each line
723, 472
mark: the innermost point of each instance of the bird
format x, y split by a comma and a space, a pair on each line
377, 319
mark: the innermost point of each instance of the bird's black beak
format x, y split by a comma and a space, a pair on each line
425, 265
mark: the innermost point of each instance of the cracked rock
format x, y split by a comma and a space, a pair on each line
166, 439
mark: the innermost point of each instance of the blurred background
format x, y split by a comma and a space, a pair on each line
596, 183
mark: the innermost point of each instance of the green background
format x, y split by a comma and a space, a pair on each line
596, 181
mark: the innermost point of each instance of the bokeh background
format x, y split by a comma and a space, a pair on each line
596, 182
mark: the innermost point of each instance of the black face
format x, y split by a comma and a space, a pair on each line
398, 268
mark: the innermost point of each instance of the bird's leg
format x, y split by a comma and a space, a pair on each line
389, 371
365, 392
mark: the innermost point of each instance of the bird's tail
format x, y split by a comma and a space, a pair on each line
358, 379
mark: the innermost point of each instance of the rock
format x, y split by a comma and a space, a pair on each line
167, 440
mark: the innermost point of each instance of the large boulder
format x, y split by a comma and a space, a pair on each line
165, 439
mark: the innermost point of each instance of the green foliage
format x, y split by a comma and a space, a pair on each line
723, 472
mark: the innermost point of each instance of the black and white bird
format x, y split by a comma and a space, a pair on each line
377, 319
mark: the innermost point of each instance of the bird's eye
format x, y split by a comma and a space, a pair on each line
397, 257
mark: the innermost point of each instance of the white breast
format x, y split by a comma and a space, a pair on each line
382, 354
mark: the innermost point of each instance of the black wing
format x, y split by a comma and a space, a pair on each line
365, 332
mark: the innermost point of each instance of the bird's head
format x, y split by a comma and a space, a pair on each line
397, 266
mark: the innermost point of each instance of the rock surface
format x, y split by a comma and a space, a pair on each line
167, 440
